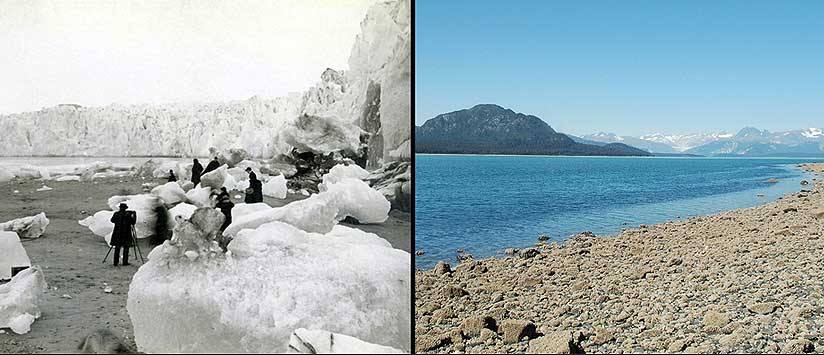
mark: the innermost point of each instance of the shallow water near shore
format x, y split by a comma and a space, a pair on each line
484, 204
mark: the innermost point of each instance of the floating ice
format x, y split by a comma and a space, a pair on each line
12, 254
170, 192
20, 299
306, 341
277, 279
275, 187
27, 227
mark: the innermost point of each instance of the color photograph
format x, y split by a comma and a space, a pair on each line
619, 177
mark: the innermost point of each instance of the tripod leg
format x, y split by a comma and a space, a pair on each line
107, 253
137, 247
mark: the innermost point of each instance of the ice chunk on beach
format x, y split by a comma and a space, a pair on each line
229, 182
277, 279
5, 175
183, 210
100, 223
20, 300
242, 209
314, 341
355, 198
12, 254
185, 185
214, 178
68, 178
314, 214
275, 187
170, 192
341, 171
44, 188
27, 227
199, 196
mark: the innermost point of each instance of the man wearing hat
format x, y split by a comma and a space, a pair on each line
122, 235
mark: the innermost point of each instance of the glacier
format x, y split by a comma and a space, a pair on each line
366, 106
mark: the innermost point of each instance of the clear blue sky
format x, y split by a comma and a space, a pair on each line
628, 67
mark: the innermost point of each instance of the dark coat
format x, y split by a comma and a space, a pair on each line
123, 222
257, 192
252, 175
172, 177
213, 165
197, 170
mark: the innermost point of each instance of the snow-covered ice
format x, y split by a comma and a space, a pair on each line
276, 279
275, 187
20, 300
27, 227
12, 254
315, 341
44, 188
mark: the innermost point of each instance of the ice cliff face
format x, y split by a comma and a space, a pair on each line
370, 103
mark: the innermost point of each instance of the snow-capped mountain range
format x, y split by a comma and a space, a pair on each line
749, 141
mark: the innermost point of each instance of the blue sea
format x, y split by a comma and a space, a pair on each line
484, 204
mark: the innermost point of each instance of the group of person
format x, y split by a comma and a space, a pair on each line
124, 220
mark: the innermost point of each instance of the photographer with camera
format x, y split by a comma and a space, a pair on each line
122, 235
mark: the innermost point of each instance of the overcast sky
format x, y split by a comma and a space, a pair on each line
95, 52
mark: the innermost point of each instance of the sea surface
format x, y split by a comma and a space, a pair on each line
484, 204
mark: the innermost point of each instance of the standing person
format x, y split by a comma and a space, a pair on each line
197, 170
252, 175
214, 164
172, 176
122, 235
224, 203
255, 191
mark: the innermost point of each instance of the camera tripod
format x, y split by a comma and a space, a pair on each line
134, 246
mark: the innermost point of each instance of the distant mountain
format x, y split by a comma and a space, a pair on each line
491, 129
648, 145
683, 142
751, 142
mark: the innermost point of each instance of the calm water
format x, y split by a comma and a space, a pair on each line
485, 204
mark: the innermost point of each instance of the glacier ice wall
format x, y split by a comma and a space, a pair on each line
371, 98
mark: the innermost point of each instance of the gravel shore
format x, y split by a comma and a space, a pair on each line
749, 280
